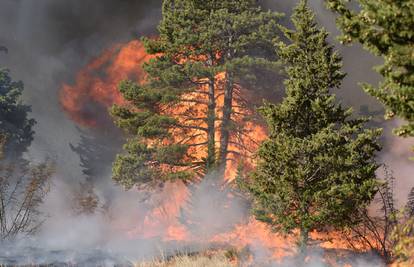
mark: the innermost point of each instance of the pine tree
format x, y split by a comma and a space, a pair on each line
385, 28
14, 122
203, 49
317, 167
23, 185
94, 152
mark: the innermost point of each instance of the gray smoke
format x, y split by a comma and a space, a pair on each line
359, 64
317, 257
49, 41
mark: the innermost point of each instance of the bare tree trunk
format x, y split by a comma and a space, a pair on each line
211, 129
226, 122
2, 212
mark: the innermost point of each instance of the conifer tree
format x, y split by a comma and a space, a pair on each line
14, 122
23, 185
386, 29
317, 167
174, 116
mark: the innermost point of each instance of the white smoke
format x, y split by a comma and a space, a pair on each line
45, 55
396, 154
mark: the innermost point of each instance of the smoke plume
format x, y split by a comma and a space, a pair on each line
49, 41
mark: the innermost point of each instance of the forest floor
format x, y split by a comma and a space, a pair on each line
233, 258
207, 259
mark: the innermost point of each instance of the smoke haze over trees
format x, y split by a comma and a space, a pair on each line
197, 43
317, 169
22, 186
49, 41
386, 30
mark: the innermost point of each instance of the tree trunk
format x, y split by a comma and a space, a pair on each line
2, 213
226, 122
211, 129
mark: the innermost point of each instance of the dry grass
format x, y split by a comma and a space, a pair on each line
216, 260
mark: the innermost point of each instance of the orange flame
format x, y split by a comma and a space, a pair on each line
162, 220
98, 82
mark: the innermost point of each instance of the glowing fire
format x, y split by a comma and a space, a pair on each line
98, 83
162, 220
242, 143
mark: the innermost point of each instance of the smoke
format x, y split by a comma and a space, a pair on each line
359, 64
101, 238
106, 230
126, 231
109, 236
48, 42
396, 154
203, 215
317, 257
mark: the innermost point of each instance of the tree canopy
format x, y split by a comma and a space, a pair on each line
181, 119
385, 28
317, 167
14, 122
22, 186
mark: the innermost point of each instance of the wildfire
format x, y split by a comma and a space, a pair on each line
162, 220
245, 138
98, 83
96, 88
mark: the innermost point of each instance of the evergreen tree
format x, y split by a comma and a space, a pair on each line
317, 167
14, 122
23, 185
203, 49
385, 28
94, 152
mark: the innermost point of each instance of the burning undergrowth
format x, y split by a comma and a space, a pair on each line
126, 227
135, 228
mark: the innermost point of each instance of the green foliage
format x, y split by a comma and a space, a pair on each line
317, 168
374, 229
23, 186
385, 28
14, 123
144, 163
403, 236
197, 41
